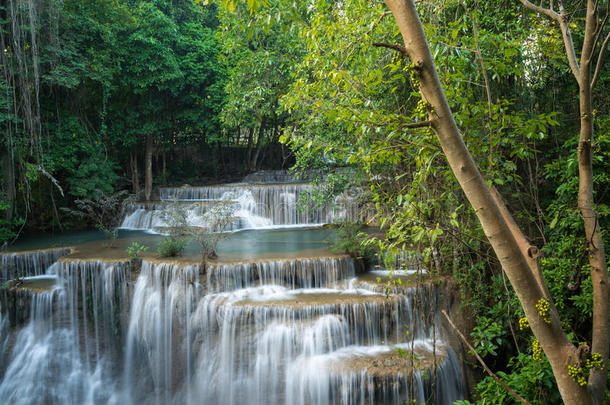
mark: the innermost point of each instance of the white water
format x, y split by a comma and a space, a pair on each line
61, 356
286, 331
258, 206
170, 340
24, 264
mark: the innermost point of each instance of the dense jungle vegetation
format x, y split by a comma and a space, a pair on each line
105, 95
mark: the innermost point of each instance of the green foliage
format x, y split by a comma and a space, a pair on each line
350, 239
103, 76
8, 227
171, 246
532, 379
135, 249
215, 222
488, 337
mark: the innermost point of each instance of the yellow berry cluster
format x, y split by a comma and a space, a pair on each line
595, 361
536, 350
578, 375
523, 323
543, 310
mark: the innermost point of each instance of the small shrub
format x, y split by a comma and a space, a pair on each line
134, 250
171, 246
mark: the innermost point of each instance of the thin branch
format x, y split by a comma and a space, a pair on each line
421, 124
398, 48
480, 360
598, 32
51, 178
600, 59
561, 19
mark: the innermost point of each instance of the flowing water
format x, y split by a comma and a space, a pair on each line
283, 327
257, 206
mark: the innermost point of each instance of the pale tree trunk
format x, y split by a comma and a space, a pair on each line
594, 243
148, 176
513, 256
587, 79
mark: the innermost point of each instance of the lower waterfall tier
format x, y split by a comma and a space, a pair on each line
284, 331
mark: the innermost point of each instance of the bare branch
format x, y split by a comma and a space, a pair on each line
53, 179
539, 9
480, 360
600, 59
398, 48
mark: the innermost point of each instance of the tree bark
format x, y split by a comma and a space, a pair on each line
148, 176
586, 80
553, 340
164, 171
249, 148
594, 243
135, 174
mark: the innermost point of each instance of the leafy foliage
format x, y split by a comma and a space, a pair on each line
171, 246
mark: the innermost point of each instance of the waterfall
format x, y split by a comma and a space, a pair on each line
159, 347
33, 263
294, 273
67, 351
240, 337
285, 331
257, 206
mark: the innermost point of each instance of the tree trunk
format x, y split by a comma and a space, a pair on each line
148, 176
249, 147
259, 141
593, 238
135, 173
553, 340
164, 171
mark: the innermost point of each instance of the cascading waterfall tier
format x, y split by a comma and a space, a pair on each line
143, 215
257, 206
68, 352
285, 331
293, 273
245, 339
31, 263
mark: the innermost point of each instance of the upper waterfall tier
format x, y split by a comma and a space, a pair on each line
257, 206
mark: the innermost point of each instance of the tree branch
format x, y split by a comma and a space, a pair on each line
565, 33
421, 124
480, 360
398, 48
600, 59
539, 9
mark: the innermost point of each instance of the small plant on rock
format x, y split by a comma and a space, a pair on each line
171, 246
134, 250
